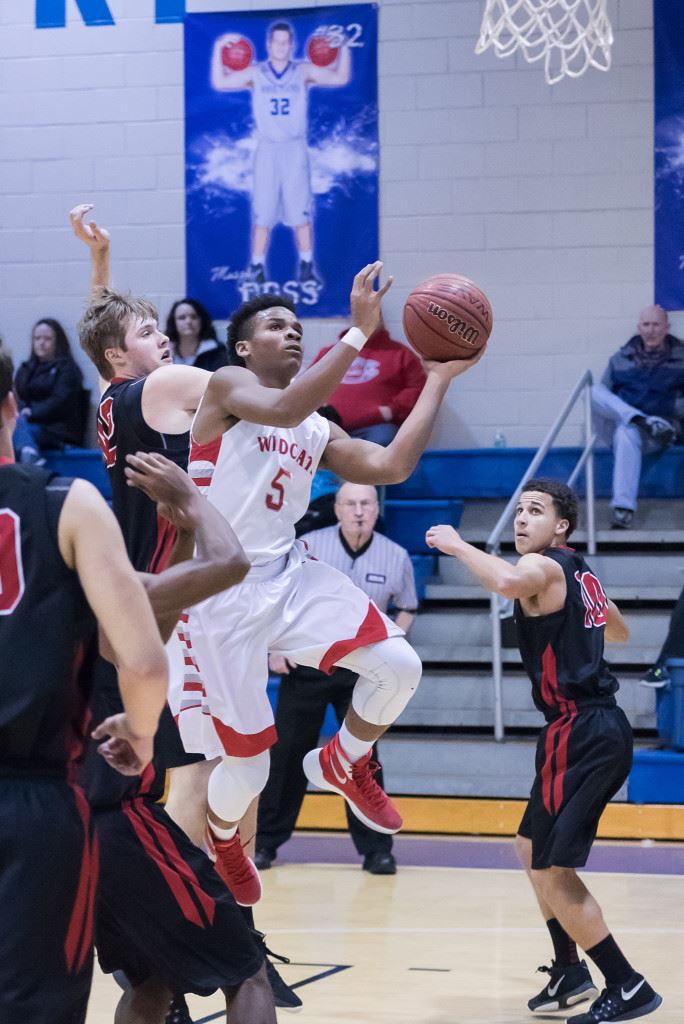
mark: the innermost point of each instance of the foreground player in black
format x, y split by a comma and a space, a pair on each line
148, 405
584, 753
164, 917
62, 564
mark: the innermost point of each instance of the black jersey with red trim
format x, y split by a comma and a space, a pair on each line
122, 431
563, 652
106, 787
47, 630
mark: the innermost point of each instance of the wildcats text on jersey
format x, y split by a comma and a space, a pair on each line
281, 445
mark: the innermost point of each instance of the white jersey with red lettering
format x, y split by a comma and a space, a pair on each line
259, 478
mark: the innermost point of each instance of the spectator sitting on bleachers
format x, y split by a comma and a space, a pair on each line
193, 336
379, 389
49, 386
639, 405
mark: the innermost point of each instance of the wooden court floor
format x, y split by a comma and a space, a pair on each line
437, 945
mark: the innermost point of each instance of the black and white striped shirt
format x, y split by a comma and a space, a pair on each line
381, 568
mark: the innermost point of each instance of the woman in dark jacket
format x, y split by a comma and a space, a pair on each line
49, 386
193, 336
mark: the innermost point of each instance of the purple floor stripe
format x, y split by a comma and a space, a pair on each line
468, 853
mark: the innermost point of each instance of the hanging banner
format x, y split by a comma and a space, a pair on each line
281, 143
669, 153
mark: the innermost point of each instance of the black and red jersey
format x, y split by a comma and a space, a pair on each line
47, 631
563, 652
122, 431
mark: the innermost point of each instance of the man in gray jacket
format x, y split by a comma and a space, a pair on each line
639, 405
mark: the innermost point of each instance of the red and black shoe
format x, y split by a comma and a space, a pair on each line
237, 870
329, 768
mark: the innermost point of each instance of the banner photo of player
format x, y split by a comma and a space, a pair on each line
281, 130
669, 154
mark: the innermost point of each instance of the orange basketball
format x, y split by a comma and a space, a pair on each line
447, 317
237, 53
320, 51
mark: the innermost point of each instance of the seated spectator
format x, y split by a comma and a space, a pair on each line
49, 386
379, 389
673, 647
639, 405
383, 570
193, 336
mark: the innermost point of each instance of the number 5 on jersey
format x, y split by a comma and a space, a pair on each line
275, 501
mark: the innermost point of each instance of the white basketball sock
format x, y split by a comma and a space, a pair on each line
353, 747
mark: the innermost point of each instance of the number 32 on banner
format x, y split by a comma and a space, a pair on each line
275, 501
338, 35
11, 568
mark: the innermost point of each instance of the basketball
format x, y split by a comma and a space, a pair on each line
447, 317
237, 53
320, 52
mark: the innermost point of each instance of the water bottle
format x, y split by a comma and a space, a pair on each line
499, 439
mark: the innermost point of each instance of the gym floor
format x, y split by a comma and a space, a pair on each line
453, 938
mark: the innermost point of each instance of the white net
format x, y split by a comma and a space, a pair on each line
569, 35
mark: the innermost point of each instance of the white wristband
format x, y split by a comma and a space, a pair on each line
355, 337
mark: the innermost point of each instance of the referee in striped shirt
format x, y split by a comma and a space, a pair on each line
383, 570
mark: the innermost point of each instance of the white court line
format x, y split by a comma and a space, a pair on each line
494, 930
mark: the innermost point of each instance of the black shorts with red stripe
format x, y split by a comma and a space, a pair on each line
162, 910
583, 758
48, 873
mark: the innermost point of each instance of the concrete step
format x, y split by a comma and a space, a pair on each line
657, 522
448, 699
640, 592
464, 766
463, 635
614, 569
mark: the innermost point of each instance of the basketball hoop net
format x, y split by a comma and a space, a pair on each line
569, 35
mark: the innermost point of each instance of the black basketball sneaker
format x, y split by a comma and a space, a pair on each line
568, 984
634, 999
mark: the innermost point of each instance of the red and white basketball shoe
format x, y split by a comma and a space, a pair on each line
236, 869
329, 768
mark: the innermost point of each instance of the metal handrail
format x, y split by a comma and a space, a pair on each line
586, 462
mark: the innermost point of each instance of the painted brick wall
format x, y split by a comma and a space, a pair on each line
542, 194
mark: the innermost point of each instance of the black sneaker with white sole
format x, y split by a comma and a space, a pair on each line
568, 984
630, 1001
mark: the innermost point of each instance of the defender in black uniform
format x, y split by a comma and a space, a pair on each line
164, 917
584, 753
57, 538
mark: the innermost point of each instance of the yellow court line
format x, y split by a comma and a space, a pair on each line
458, 816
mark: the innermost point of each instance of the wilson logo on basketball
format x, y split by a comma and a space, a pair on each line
467, 332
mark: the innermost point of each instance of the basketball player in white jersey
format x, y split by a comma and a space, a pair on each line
282, 179
256, 442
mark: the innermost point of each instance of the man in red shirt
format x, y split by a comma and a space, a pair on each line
379, 389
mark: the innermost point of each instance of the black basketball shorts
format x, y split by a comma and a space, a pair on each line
48, 872
162, 911
583, 758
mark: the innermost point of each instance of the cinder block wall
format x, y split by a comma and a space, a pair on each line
544, 195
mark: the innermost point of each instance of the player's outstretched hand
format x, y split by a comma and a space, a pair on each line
123, 751
166, 484
95, 237
454, 367
365, 300
444, 538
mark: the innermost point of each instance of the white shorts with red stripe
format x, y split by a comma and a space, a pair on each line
297, 607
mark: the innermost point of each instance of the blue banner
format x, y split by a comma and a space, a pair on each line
669, 153
281, 142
